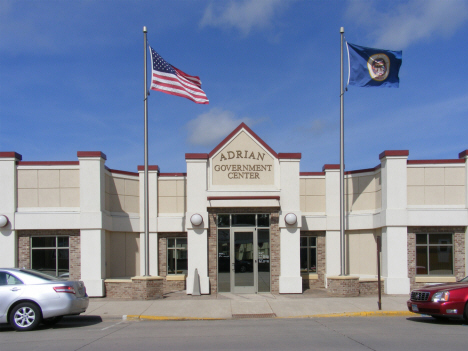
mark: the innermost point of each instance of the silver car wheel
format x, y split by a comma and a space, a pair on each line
25, 317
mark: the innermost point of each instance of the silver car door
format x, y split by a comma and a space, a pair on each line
11, 289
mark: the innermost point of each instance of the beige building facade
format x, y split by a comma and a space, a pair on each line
242, 218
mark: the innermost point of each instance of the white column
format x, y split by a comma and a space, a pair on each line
395, 260
332, 208
290, 280
8, 204
394, 230
93, 260
197, 236
92, 203
153, 219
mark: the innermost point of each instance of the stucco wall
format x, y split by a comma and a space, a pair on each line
361, 255
312, 192
436, 185
48, 188
363, 192
172, 195
122, 194
122, 254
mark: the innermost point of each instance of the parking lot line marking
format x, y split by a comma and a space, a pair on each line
113, 325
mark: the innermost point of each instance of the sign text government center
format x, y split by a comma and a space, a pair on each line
242, 219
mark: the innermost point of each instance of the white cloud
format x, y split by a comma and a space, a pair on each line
243, 15
211, 127
401, 24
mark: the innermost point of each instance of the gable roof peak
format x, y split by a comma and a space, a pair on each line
235, 132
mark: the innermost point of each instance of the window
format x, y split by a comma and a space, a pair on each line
434, 254
8, 279
308, 254
50, 255
177, 256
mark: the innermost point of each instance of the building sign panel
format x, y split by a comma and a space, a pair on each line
243, 162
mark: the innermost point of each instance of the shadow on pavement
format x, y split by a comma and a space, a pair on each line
66, 322
431, 320
75, 322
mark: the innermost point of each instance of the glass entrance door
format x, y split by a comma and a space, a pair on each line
244, 253
244, 261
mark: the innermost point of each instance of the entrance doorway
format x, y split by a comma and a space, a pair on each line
244, 254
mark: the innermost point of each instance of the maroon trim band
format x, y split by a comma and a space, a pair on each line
196, 156
234, 132
305, 174
364, 170
48, 163
122, 172
389, 153
330, 166
150, 168
463, 154
11, 154
421, 162
243, 198
291, 156
91, 154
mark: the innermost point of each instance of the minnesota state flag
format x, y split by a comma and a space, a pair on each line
369, 67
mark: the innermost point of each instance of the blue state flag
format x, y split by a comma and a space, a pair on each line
369, 67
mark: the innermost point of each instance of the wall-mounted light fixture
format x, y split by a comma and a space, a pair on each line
3, 221
196, 219
290, 218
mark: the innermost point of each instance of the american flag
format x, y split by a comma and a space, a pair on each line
170, 80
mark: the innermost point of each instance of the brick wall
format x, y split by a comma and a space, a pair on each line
458, 248
321, 261
173, 285
135, 289
24, 248
343, 287
371, 287
274, 244
119, 290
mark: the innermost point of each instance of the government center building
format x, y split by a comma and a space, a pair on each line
242, 219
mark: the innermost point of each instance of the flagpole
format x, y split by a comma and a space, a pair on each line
146, 216
342, 209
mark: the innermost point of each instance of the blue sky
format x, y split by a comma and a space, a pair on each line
71, 79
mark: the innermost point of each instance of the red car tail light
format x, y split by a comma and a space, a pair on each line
64, 289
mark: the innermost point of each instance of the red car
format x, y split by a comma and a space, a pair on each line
441, 301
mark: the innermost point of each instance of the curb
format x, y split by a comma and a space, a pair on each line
166, 318
326, 315
360, 314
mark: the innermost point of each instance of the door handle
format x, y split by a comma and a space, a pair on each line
15, 289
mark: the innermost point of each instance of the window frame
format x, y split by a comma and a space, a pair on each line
175, 249
56, 248
428, 245
308, 247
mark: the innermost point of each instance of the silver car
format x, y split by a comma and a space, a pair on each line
29, 297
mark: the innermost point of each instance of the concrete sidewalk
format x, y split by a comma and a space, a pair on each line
179, 306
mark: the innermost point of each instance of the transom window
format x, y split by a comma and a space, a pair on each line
434, 254
308, 254
176, 255
50, 255
244, 220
